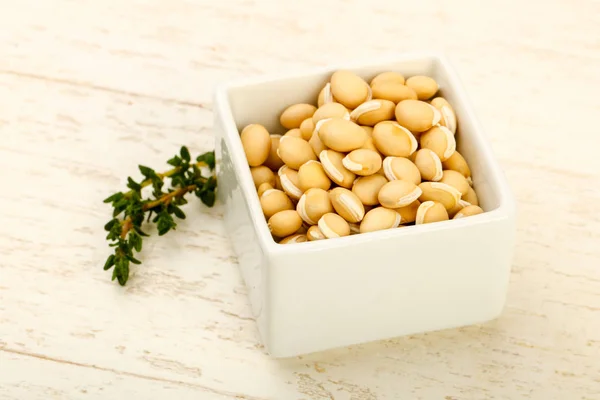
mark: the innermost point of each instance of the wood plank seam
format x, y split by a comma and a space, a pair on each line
105, 89
132, 374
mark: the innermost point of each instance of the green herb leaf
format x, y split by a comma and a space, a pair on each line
185, 154
147, 172
110, 261
133, 185
175, 161
177, 181
208, 198
135, 241
134, 260
110, 224
208, 158
116, 269
178, 213
119, 209
165, 222
114, 197
123, 274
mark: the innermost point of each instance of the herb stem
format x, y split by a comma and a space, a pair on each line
166, 174
127, 223
126, 226
167, 197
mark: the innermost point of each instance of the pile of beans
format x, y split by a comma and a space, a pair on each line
365, 157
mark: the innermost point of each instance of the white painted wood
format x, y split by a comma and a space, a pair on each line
89, 90
33, 377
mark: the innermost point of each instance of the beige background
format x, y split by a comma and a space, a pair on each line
90, 89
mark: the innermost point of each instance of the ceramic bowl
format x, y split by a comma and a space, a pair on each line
313, 296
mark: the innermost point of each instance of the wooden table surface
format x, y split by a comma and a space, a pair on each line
90, 89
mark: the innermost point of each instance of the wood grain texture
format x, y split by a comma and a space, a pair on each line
36, 377
89, 90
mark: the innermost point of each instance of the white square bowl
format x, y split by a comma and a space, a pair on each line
318, 295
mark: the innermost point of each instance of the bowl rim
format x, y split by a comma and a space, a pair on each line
506, 202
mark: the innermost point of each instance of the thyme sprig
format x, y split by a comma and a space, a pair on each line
131, 210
